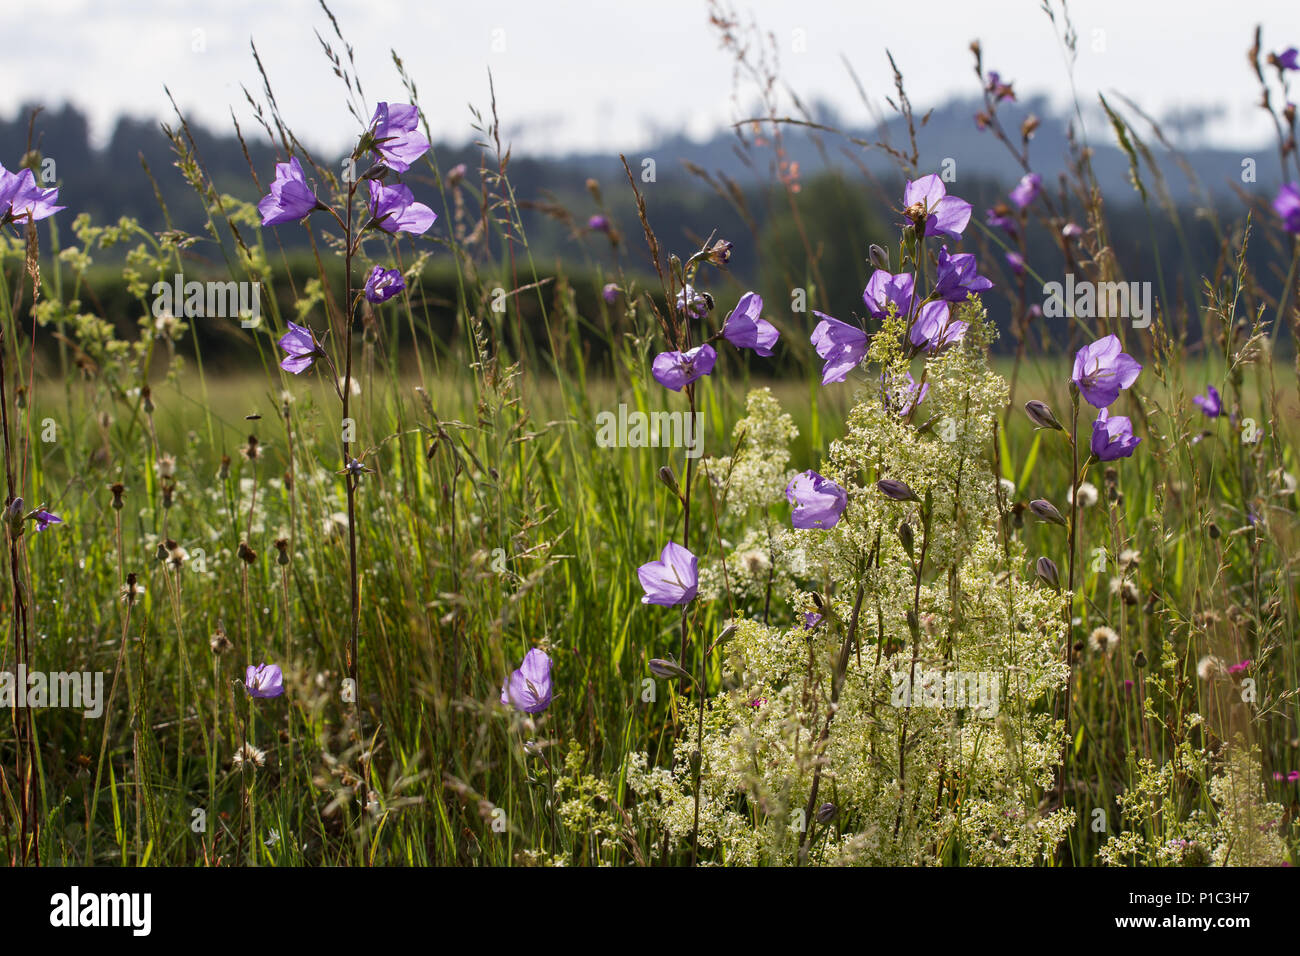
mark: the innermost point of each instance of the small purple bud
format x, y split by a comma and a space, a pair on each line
898, 490
1044, 510
1046, 569
1041, 415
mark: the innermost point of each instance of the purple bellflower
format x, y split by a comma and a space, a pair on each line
673, 579
934, 327
884, 288
290, 198
1102, 370
926, 202
302, 347
676, 370
1026, 191
818, 502
746, 330
1287, 206
958, 276
396, 141
842, 345
1112, 438
1211, 403
263, 680
395, 210
529, 688
383, 284
22, 200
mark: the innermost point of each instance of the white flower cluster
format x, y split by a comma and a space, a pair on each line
814, 708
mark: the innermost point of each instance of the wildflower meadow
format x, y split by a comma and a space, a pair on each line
361, 529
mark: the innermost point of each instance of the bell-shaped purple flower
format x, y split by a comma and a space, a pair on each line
302, 348
842, 345
1112, 437
263, 680
884, 288
1288, 59
676, 370
397, 141
818, 502
395, 210
934, 327
927, 203
529, 688
746, 330
1211, 403
44, 518
383, 284
958, 276
673, 579
290, 198
1102, 370
21, 200
1026, 191
1287, 206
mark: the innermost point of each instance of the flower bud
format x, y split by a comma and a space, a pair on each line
1044, 510
1139, 660
826, 812
118, 489
667, 670
898, 490
879, 257
1046, 569
909, 540
668, 478
1041, 415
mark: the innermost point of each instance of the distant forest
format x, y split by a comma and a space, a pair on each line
847, 199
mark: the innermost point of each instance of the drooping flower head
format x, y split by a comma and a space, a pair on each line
958, 276
1211, 403
1287, 206
1288, 59
676, 370
842, 345
528, 689
1016, 262
927, 204
1102, 370
610, 292
746, 330
21, 200
395, 210
1026, 191
1002, 217
818, 502
673, 579
290, 198
302, 348
884, 288
935, 327
263, 680
598, 223
383, 284
395, 140
44, 518
1112, 438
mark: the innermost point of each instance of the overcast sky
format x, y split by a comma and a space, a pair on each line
608, 74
